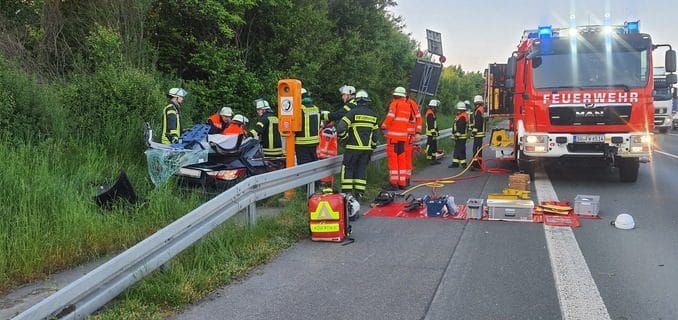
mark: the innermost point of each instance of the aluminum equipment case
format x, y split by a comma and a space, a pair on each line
510, 210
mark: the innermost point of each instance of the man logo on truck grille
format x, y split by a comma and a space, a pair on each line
590, 114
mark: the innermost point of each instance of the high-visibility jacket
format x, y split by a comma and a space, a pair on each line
431, 123
171, 126
216, 124
415, 125
266, 130
235, 128
336, 115
478, 123
460, 125
358, 128
328, 143
310, 126
401, 120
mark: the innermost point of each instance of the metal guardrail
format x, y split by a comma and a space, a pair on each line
93, 290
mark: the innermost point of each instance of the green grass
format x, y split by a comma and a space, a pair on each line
50, 220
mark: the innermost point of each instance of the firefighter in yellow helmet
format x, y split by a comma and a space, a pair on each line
171, 124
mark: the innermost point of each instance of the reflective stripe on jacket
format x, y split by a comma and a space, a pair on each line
310, 126
401, 116
171, 126
358, 128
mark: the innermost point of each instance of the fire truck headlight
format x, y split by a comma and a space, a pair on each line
641, 139
535, 139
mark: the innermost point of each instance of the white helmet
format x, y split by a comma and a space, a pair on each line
461, 106
478, 100
226, 111
362, 95
178, 92
624, 221
434, 103
262, 104
245, 120
346, 89
303, 91
400, 92
467, 103
239, 118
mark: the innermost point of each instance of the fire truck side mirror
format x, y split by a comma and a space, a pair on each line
511, 68
670, 63
289, 105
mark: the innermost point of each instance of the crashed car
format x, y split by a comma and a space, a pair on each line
212, 161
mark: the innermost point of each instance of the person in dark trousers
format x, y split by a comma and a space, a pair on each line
171, 126
432, 132
358, 131
459, 135
348, 102
266, 130
478, 130
308, 138
219, 121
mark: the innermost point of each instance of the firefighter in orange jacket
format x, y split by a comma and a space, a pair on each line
459, 135
432, 132
401, 127
219, 121
478, 130
237, 126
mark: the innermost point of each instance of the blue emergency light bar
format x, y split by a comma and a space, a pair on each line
545, 31
632, 27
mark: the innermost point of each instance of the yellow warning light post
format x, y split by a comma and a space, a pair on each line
289, 117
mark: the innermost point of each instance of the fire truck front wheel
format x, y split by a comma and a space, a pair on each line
628, 169
526, 164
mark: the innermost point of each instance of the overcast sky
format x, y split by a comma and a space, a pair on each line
478, 32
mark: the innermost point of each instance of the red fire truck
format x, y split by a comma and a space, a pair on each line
580, 93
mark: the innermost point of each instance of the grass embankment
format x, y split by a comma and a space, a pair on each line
49, 218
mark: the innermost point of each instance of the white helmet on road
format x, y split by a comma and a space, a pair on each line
461, 106
478, 100
400, 92
624, 221
226, 111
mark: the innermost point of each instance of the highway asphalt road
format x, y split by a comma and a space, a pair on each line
451, 269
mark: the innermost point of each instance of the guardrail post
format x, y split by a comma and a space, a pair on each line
252, 214
310, 189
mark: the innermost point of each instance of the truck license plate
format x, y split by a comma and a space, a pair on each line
589, 138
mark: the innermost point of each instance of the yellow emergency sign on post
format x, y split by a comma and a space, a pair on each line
324, 212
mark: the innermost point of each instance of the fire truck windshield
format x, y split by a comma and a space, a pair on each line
625, 69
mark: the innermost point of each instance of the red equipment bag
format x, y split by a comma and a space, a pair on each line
328, 217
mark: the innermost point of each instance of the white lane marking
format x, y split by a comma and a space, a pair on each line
673, 134
666, 154
577, 292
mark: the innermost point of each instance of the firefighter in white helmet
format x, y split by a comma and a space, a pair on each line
401, 126
219, 121
358, 132
171, 124
459, 135
348, 102
266, 130
432, 131
478, 131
